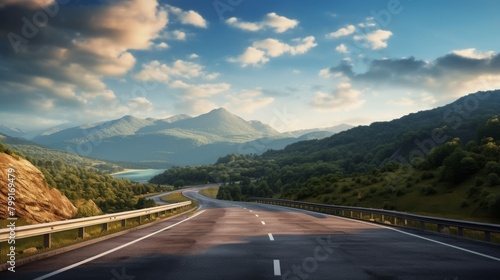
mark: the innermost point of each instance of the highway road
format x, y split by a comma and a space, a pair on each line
236, 240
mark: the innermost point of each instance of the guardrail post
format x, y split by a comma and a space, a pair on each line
487, 236
124, 223
105, 227
47, 240
422, 225
81, 232
460, 231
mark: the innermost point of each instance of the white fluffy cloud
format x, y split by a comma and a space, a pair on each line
251, 56
343, 98
74, 53
376, 39
199, 90
278, 23
248, 101
344, 31
260, 51
140, 104
190, 17
342, 49
472, 53
162, 72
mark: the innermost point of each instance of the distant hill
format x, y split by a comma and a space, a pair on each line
309, 134
364, 147
178, 140
33, 150
11, 131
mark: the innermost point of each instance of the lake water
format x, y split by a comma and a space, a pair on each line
141, 176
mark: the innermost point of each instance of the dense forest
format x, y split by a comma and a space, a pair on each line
408, 164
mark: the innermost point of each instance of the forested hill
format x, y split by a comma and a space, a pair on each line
444, 161
365, 147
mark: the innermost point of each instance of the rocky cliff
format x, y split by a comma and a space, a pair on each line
34, 200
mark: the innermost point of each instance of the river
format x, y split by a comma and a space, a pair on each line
138, 175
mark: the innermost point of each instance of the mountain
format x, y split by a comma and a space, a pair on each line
33, 150
444, 161
178, 140
320, 132
40, 203
11, 131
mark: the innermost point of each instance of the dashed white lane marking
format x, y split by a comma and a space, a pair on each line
256, 215
263, 222
115, 249
270, 236
277, 268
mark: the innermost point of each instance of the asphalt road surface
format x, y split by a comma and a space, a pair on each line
234, 240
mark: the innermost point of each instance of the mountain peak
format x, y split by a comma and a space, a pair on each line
220, 110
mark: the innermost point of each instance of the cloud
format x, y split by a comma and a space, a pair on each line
248, 101
451, 75
377, 39
248, 26
260, 51
422, 100
251, 56
179, 35
162, 72
280, 24
345, 31
199, 90
161, 46
343, 98
140, 104
342, 49
190, 17
472, 53
33, 4
73, 53
195, 98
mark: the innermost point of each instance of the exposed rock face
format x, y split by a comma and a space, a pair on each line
34, 200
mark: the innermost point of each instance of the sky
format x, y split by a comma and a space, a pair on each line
291, 64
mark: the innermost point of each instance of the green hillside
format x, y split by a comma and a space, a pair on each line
415, 163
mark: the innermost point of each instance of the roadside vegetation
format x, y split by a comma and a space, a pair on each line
455, 179
210, 192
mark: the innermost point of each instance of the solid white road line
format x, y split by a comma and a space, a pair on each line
424, 238
270, 236
277, 268
263, 222
115, 249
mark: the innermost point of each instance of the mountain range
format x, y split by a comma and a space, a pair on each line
178, 140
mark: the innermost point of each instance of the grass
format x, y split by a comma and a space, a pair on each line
210, 192
411, 195
174, 197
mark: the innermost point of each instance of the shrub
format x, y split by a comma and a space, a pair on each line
492, 180
428, 190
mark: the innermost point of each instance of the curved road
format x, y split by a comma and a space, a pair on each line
236, 240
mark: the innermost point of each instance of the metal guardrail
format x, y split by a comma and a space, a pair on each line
449, 226
47, 229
